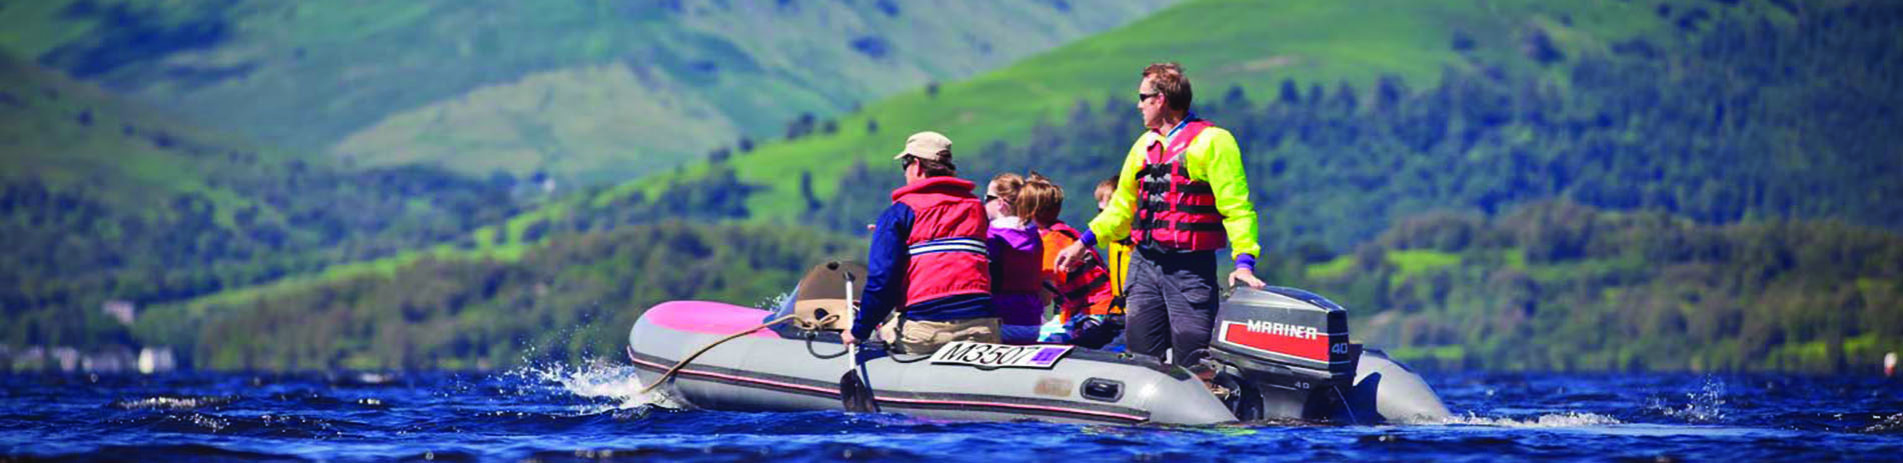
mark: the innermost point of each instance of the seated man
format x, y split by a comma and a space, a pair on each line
928, 256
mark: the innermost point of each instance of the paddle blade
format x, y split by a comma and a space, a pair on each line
856, 395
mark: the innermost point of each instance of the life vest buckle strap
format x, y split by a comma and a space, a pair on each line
1196, 188
1083, 291
1195, 209
1196, 226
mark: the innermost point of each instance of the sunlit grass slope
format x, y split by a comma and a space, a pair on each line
72, 136
582, 90
1254, 45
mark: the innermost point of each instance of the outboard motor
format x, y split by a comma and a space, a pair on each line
1283, 353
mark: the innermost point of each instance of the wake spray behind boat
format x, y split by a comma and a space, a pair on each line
1279, 354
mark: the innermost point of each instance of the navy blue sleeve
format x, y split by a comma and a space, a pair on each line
886, 263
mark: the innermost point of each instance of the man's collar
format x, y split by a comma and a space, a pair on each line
1187, 117
1164, 137
948, 184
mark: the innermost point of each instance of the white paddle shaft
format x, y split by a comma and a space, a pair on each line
852, 349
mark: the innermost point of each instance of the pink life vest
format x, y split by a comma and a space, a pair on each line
1173, 210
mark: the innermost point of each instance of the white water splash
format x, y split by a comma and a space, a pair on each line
171, 403
1705, 406
595, 380
1551, 420
1890, 424
773, 302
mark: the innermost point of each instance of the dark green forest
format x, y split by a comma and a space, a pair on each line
1718, 200
1747, 121
1768, 152
571, 299
105, 200
85, 253
1555, 285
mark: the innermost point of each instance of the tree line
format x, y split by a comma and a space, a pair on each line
1556, 285
572, 299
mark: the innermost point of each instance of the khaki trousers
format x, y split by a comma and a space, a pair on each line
926, 336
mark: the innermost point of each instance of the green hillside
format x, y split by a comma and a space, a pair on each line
1224, 43
1550, 285
72, 135
1558, 286
572, 298
1259, 49
108, 200
1486, 115
589, 90
1710, 176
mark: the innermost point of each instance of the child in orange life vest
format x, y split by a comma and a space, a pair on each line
1015, 253
1086, 316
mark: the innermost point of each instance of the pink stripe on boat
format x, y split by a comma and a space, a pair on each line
707, 317
972, 403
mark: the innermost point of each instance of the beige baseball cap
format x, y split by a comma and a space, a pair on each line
928, 145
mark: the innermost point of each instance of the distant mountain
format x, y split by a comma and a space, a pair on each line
1370, 110
102, 199
590, 91
1252, 45
1591, 172
1353, 114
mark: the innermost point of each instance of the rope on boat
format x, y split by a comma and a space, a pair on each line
690, 357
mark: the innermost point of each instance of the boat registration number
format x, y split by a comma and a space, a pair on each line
986, 355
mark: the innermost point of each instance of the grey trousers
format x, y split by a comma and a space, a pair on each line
1171, 304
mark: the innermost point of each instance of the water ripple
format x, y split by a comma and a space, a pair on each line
593, 412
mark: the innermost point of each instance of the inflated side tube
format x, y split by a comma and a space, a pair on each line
1385, 391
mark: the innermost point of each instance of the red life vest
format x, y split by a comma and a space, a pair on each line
1085, 290
947, 244
1174, 210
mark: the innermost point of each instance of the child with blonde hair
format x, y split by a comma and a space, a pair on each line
1016, 253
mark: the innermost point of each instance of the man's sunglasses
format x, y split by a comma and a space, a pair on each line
1141, 97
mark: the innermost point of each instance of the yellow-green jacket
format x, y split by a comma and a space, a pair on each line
1213, 158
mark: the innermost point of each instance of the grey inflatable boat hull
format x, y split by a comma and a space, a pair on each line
794, 370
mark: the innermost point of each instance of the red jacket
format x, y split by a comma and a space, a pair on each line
947, 244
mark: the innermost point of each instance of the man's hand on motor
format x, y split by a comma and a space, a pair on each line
1068, 258
1245, 275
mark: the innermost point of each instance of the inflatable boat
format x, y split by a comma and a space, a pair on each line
1282, 353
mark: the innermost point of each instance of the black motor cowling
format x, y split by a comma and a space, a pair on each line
1286, 351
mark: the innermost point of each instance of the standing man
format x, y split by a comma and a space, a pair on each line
1180, 197
928, 257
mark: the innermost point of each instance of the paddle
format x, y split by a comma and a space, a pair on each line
854, 391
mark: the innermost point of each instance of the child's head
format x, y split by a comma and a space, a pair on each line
1041, 199
1104, 189
1001, 196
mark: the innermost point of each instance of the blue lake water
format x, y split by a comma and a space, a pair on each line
558, 413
